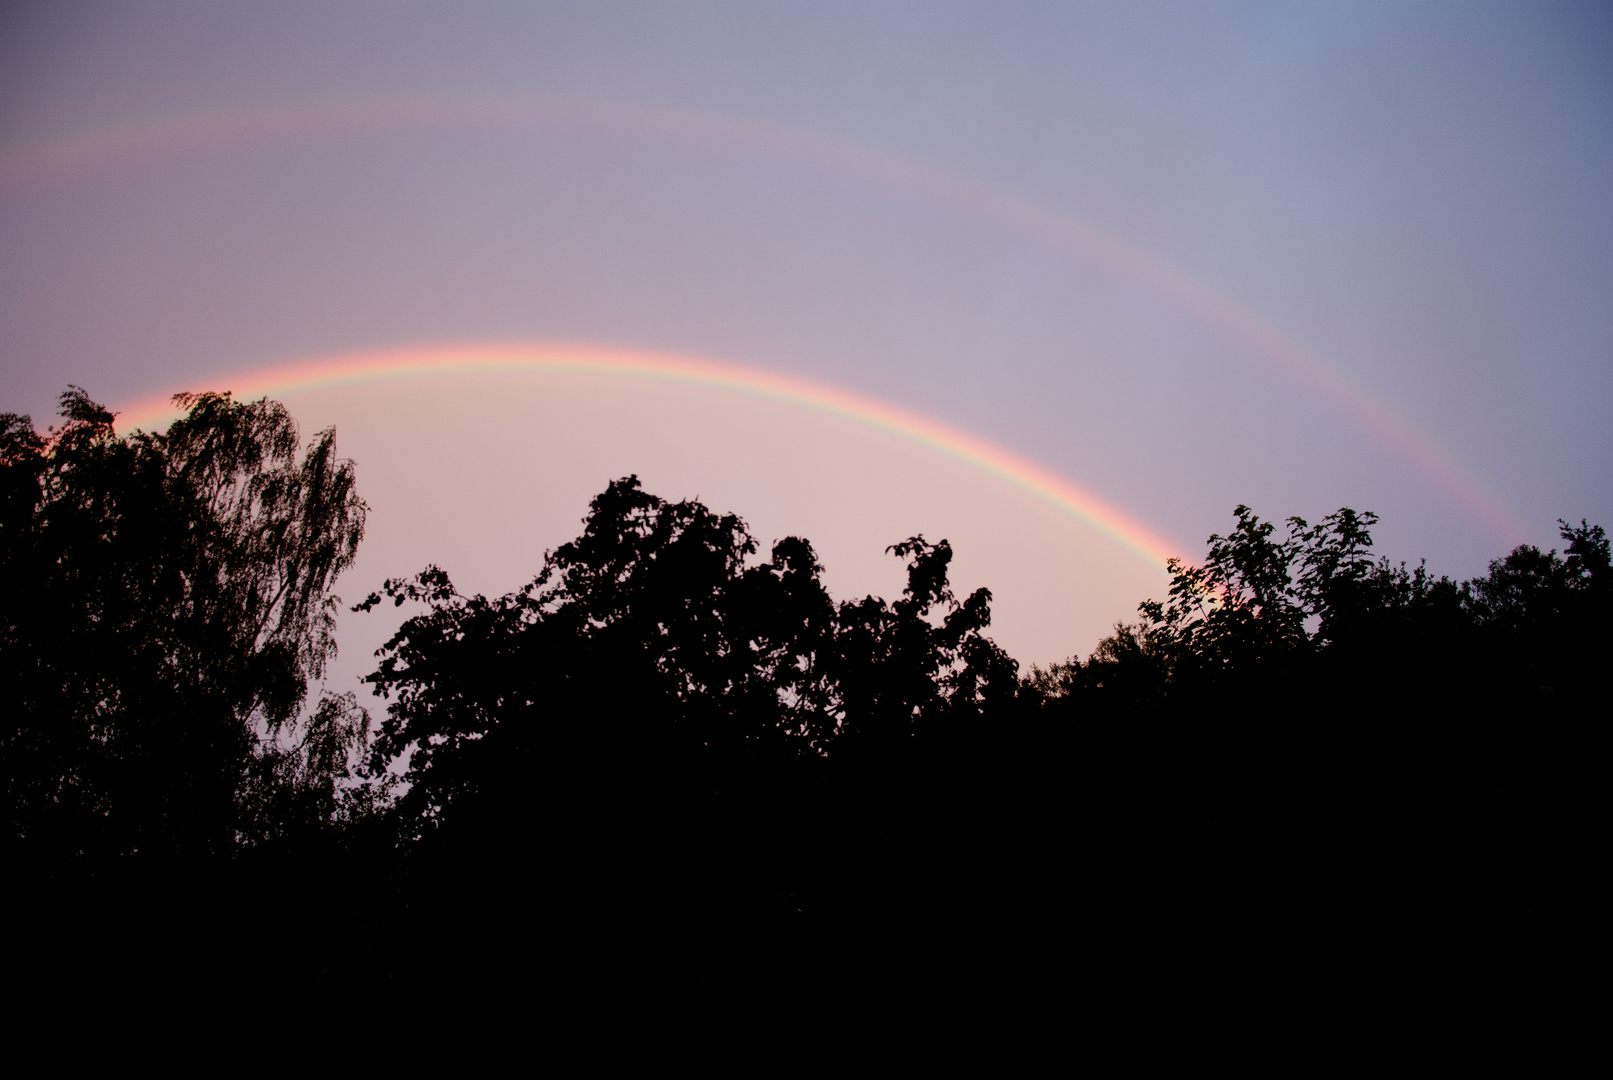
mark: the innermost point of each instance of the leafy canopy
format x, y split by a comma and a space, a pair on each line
169, 602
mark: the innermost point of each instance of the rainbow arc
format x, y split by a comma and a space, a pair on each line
361, 368
54, 159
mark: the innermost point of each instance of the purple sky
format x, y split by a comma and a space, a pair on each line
1417, 197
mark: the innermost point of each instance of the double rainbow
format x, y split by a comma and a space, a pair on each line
58, 158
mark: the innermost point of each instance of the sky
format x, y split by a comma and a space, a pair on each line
1180, 256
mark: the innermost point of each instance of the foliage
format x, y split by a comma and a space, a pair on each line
169, 603
666, 738
652, 630
1264, 614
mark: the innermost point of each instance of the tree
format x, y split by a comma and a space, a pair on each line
661, 730
919, 666
646, 636
652, 634
1312, 736
168, 602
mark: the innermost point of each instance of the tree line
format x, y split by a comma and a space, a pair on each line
666, 744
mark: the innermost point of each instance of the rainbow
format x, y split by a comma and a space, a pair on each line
52, 160
361, 368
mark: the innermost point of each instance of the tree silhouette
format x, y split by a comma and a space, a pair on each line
672, 723
169, 603
654, 605
1401, 757
667, 743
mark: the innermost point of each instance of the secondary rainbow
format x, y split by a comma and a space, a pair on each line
357, 368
